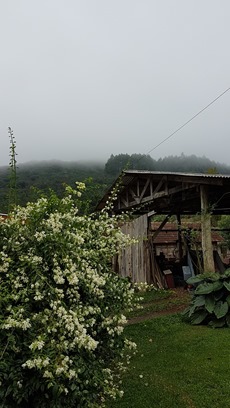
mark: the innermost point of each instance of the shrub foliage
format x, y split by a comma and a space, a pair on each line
61, 306
211, 300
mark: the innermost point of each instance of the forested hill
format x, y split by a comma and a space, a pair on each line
42, 176
182, 163
53, 175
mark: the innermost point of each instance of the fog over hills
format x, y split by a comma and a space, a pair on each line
55, 174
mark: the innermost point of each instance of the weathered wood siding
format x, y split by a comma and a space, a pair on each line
134, 261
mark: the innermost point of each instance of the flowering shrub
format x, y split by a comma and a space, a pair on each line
144, 287
61, 306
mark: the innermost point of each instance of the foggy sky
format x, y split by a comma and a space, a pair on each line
82, 79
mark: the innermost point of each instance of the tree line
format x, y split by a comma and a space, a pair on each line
182, 163
54, 175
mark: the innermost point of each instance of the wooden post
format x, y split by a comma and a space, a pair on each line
179, 237
206, 231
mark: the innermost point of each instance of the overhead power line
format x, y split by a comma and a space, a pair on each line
188, 121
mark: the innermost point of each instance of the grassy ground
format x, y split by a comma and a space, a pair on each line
161, 301
177, 366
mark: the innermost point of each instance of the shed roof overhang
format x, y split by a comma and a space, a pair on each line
168, 193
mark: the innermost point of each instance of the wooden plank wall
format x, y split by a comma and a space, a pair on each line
157, 277
134, 261
138, 261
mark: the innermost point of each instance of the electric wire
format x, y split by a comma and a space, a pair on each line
188, 121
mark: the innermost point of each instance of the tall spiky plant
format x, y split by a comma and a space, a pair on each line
12, 196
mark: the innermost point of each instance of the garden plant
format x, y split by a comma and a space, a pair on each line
61, 306
211, 300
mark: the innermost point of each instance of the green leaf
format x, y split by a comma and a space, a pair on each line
186, 311
213, 276
227, 285
206, 288
227, 273
199, 317
9, 390
199, 300
228, 300
195, 279
218, 323
55, 390
210, 303
197, 303
221, 309
217, 286
219, 295
191, 310
228, 319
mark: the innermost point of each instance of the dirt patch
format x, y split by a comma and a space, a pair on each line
179, 294
176, 309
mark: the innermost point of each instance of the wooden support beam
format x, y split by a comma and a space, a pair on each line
154, 235
134, 196
206, 231
145, 188
158, 187
180, 237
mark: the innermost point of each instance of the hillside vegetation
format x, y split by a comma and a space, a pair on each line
98, 176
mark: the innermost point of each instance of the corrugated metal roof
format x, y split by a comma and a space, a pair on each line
129, 175
170, 173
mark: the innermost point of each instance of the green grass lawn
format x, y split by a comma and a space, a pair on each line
177, 366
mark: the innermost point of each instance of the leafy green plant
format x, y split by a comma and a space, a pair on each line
211, 301
61, 306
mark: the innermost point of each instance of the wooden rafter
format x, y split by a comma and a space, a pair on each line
146, 191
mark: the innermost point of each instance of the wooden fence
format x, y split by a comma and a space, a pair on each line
133, 261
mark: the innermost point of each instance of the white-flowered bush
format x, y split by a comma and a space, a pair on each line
144, 287
61, 306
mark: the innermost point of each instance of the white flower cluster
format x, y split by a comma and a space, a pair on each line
11, 323
57, 283
143, 287
37, 344
4, 262
114, 324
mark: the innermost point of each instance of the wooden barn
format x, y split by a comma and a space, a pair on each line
148, 193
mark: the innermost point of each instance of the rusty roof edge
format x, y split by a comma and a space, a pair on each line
171, 173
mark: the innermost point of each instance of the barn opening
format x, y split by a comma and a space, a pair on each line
168, 252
